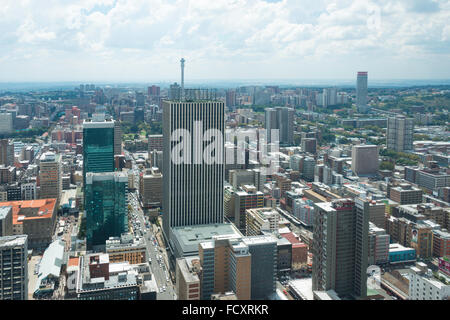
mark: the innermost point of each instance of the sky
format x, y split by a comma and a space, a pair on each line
143, 40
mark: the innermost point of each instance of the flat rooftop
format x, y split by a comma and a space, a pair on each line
12, 241
31, 209
189, 237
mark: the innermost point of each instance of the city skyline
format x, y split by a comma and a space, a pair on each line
84, 40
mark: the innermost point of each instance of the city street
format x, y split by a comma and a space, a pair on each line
154, 252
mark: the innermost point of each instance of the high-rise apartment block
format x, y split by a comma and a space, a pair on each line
399, 135
6, 152
365, 160
106, 206
340, 247
14, 267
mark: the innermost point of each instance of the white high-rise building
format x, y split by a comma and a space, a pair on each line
193, 187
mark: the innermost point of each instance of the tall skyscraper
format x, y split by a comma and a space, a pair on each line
98, 146
106, 205
230, 98
6, 122
361, 92
14, 267
117, 138
6, 152
400, 133
50, 176
340, 247
281, 118
365, 159
193, 189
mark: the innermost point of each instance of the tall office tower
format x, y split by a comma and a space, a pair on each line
400, 133
6, 153
230, 98
14, 267
150, 188
270, 123
193, 188
117, 138
50, 176
339, 247
106, 205
365, 159
332, 97
325, 98
281, 118
361, 92
263, 250
98, 146
6, 221
6, 122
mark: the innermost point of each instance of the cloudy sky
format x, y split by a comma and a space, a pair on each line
143, 40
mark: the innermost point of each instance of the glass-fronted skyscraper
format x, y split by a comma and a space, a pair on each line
98, 146
106, 205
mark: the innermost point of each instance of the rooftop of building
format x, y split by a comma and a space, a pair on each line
120, 274
4, 210
303, 288
189, 267
189, 237
31, 209
13, 241
397, 247
50, 265
257, 240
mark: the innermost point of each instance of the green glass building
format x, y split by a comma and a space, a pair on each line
106, 205
98, 147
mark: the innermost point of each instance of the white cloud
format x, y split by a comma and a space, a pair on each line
144, 39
